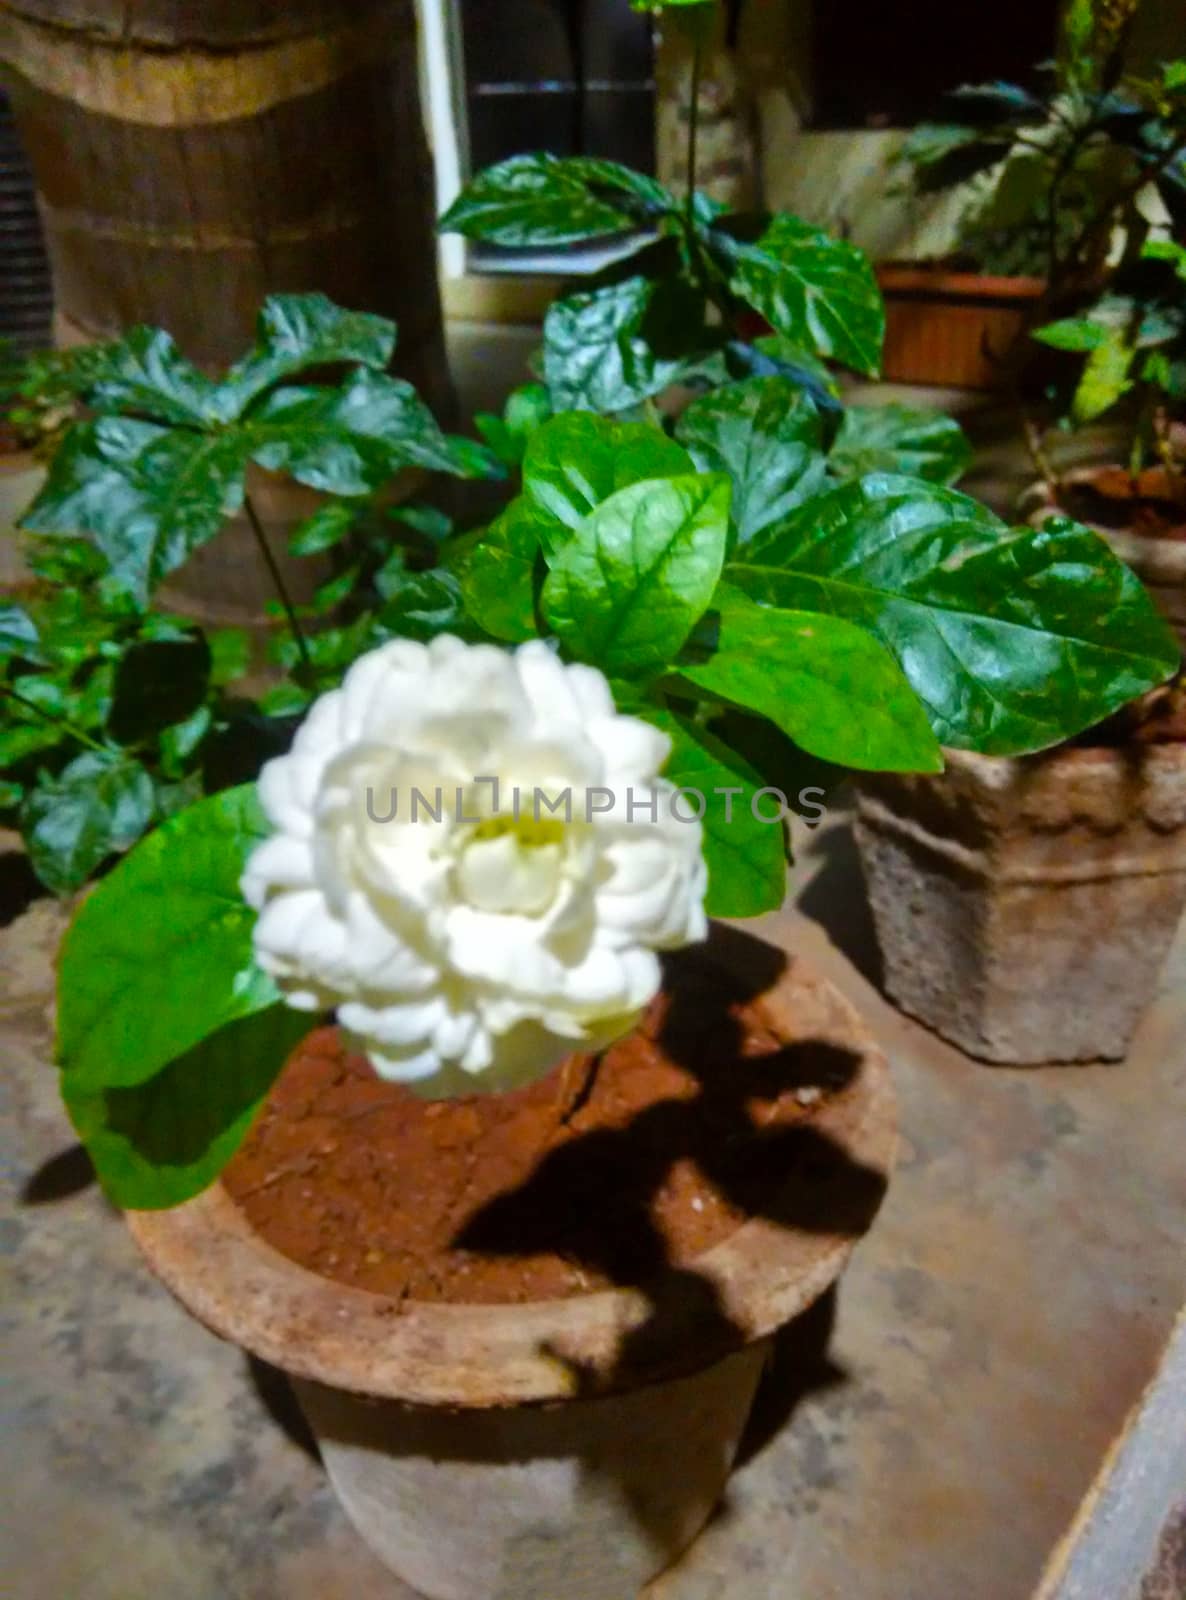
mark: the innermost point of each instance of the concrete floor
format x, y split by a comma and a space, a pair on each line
926, 1433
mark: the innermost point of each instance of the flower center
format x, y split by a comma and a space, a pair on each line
512, 864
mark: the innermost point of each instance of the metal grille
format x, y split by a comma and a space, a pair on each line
26, 293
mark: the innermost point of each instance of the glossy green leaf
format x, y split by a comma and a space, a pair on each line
572, 463
230, 654
577, 460
158, 682
1071, 333
145, 372
326, 528
180, 740
425, 604
767, 436
18, 633
1013, 639
608, 349
148, 495
1105, 377
298, 331
498, 575
827, 683
818, 291
122, 1018
894, 438
626, 589
526, 409
96, 807
746, 857
533, 200
349, 440
157, 1143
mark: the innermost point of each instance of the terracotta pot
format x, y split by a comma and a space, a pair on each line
1158, 560
569, 1447
1024, 907
950, 328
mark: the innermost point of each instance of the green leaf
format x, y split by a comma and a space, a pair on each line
608, 349
160, 955
572, 464
432, 524
1071, 333
148, 495
766, 434
894, 438
818, 291
97, 806
534, 200
577, 460
157, 683
327, 527
425, 604
230, 653
336, 589
498, 574
20, 740
1105, 377
18, 634
145, 372
350, 440
284, 700
746, 858
182, 739
1013, 639
626, 589
157, 1143
297, 331
526, 409
827, 683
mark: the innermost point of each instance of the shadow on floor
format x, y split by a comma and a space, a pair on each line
279, 1401
799, 1365
18, 885
836, 898
66, 1174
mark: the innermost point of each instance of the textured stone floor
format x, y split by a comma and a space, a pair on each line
925, 1434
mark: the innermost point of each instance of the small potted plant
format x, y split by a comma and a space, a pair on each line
1133, 345
1053, 181
1024, 908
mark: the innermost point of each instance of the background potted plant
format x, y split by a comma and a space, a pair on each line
1055, 179
1133, 345
117, 712
985, 880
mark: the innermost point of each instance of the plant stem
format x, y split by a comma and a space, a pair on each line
56, 722
1036, 447
693, 127
289, 609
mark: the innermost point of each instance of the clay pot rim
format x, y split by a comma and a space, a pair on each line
1167, 550
425, 1353
918, 277
996, 771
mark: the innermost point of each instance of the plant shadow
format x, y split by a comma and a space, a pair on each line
836, 898
592, 1198
66, 1174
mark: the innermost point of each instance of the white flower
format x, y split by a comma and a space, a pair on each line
480, 943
